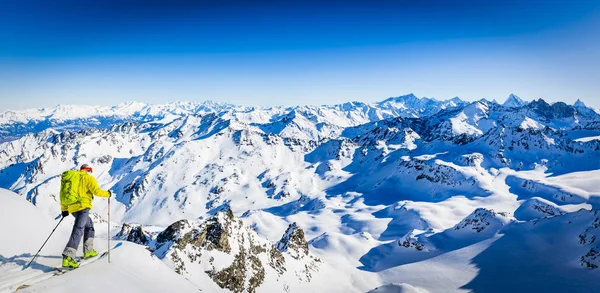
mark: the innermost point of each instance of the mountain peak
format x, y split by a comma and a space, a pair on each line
456, 100
513, 101
579, 104
403, 98
293, 241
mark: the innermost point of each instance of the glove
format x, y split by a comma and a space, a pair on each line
65, 213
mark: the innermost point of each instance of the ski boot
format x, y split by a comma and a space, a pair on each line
69, 263
90, 254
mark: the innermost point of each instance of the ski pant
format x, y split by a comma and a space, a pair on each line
83, 227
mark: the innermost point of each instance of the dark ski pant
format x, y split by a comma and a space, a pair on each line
83, 227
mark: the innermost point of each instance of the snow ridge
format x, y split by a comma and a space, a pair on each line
343, 198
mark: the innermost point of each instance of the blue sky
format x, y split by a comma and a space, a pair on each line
296, 52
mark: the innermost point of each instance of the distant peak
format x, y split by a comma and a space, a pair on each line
540, 101
410, 96
456, 100
513, 101
579, 104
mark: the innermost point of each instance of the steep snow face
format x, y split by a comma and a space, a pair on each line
583, 110
379, 192
468, 120
514, 101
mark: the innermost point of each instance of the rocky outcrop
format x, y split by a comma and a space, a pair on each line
591, 259
557, 110
482, 219
293, 242
133, 233
412, 241
231, 253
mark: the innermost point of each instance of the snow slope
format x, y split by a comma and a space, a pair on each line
132, 268
405, 194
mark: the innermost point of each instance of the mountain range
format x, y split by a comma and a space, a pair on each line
404, 195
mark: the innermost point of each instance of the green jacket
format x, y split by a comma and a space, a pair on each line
88, 187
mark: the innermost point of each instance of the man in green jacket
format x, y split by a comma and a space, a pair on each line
83, 227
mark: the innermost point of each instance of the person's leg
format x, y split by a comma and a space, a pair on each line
76, 234
88, 235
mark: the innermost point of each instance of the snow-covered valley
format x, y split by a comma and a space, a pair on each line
405, 195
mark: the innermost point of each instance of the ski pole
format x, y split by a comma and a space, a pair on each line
108, 237
44, 243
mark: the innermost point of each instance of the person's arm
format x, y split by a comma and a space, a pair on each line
64, 210
92, 186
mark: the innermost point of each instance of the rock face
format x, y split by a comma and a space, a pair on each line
482, 219
230, 253
589, 238
554, 111
293, 242
411, 241
133, 233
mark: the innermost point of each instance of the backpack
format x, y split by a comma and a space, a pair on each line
69, 187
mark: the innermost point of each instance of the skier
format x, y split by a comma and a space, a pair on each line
82, 187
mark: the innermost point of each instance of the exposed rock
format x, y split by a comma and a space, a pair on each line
173, 232
293, 242
188, 244
591, 259
555, 111
258, 273
133, 233
217, 232
103, 160
481, 219
411, 241
234, 276
474, 159
276, 260
589, 237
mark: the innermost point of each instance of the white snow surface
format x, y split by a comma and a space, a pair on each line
132, 268
398, 288
405, 195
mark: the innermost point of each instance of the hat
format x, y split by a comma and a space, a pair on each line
86, 167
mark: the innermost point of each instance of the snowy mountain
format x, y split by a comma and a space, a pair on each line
14, 124
408, 194
514, 101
